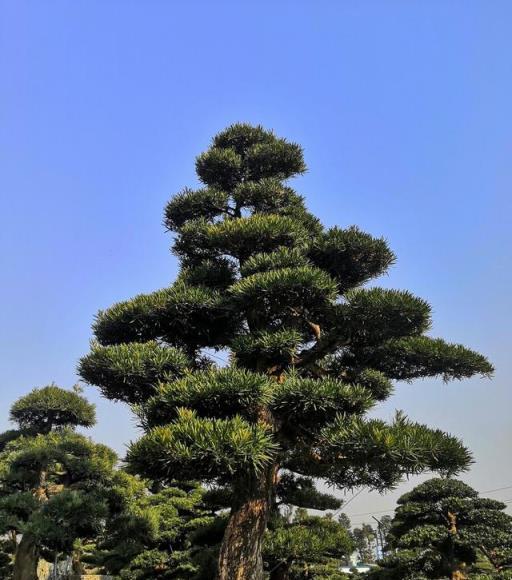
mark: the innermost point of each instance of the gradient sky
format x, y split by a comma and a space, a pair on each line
403, 109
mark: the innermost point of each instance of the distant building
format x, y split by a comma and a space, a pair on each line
360, 567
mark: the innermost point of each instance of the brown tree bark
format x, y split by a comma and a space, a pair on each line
27, 557
27, 553
457, 573
76, 563
240, 555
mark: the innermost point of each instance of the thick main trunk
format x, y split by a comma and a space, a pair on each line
241, 555
26, 559
241, 551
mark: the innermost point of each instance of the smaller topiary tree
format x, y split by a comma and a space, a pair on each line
306, 547
157, 534
51, 477
442, 528
52, 409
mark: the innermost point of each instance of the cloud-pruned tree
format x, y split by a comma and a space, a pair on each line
310, 349
51, 478
442, 529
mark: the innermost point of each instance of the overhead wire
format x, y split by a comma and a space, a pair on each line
387, 511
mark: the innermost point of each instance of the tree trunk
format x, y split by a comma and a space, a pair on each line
240, 555
26, 559
457, 567
76, 563
241, 551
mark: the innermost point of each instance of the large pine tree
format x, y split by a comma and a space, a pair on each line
310, 350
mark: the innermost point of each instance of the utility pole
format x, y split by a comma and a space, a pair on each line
379, 533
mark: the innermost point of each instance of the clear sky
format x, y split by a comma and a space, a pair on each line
403, 109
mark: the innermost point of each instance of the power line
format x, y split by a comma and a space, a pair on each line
368, 520
224, 360
346, 504
371, 513
393, 509
497, 489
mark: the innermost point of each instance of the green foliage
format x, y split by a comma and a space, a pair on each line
8, 436
421, 356
181, 315
53, 481
306, 404
262, 349
374, 381
219, 168
301, 492
351, 257
52, 408
15, 510
238, 237
265, 196
67, 516
63, 457
300, 545
245, 153
442, 526
217, 274
282, 258
208, 449
130, 372
156, 535
284, 295
310, 351
219, 393
376, 315
191, 205
380, 454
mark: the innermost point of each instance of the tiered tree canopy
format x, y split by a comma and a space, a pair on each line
51, 477
310, 349
442, 528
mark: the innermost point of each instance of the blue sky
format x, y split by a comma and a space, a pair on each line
403, 109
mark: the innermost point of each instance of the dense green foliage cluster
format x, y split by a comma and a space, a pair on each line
52, 408
63, 500
310, 350
306, 547
169, 533
443, 529
51, 478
